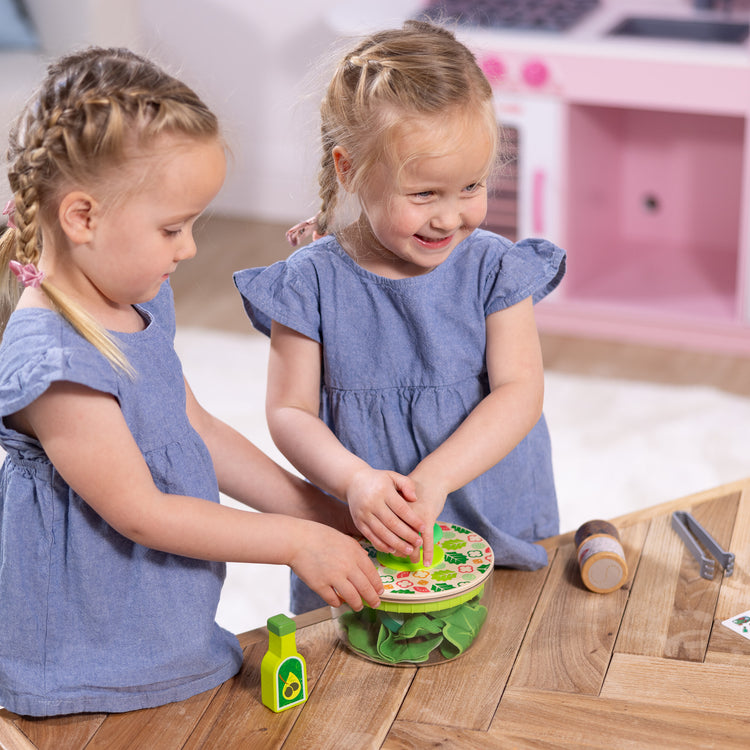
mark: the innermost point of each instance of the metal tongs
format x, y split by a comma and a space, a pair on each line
694, 535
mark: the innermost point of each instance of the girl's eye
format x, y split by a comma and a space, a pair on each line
473, 187
172, 232
424, 194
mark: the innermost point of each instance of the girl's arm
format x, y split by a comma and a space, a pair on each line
379, 500
498, 423
247, 474
85, 436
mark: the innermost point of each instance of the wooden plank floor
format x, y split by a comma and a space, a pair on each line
205, 296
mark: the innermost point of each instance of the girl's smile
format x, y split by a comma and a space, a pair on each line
434, 244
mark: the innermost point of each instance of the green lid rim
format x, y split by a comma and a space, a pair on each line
412, 607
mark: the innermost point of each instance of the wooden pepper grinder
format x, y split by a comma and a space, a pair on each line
283, 673
600, 557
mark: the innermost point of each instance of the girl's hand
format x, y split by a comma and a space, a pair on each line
328, 510
337, 568
380, 502
429, 504
334, 513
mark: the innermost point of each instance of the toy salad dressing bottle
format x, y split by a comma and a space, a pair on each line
283, 672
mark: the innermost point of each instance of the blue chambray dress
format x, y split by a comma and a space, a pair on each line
404, 364
90, 620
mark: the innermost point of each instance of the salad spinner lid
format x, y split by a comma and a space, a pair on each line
462, 562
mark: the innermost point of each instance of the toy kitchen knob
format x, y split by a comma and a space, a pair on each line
493, 67
535, 73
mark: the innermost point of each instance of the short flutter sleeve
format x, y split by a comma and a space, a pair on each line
287, 292
33, 355
529, 268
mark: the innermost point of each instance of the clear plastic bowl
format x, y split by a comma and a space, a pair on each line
426, 616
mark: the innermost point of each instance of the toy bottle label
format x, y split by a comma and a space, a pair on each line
602, 562
596, 544
290, 683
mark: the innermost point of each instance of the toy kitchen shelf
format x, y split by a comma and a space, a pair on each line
628, 139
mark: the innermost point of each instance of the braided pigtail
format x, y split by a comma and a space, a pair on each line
9, 288
92, 112
328, 183
25, 240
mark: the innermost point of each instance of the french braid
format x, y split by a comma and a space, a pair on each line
89, 109
418, 70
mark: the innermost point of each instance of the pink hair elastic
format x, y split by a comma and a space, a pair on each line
28, 275
299, 231
10, 211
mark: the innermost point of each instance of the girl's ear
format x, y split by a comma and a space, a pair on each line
77, 216
343, 166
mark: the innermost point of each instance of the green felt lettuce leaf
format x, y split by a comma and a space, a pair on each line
392, 621
461, 627
361, 631
419, 625
393, 649
452, 630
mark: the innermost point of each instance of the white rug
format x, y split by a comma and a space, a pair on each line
617, 446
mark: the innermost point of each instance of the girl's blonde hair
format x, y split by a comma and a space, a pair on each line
390, 77
94, 110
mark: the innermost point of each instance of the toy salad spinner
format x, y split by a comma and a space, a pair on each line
426, 615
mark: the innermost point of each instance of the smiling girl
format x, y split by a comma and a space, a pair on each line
405, 373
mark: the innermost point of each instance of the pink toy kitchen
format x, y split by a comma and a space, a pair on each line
626, 131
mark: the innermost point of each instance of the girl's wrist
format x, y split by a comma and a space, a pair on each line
427, 475
353, 479
292, 540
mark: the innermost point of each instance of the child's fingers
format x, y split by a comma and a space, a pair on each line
354, 592
401, 536
382, 538
406, 487
409, 517
370, 587
405, 533
330, 596
428, 544
362, 587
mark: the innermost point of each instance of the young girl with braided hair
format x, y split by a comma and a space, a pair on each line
112, 538
405, 373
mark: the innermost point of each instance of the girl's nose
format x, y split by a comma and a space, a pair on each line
187, 249
447, 217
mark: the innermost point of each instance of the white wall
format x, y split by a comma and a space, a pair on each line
250, 61
61, 27
257, 63
64, 25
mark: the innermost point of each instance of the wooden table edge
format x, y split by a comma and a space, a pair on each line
647, 514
